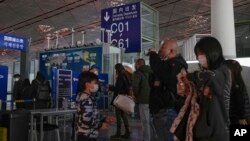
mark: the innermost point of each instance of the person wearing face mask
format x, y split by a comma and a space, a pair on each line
164, 102
213, 84
17, 88
89, 120
202, 61
94, 69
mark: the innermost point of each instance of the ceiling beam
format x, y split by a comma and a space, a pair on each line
46, 15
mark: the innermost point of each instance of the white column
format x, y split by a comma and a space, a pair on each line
83, 37
48, 39
222, 25
72, 37
57, 37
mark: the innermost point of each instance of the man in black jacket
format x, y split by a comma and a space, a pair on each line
165, 65
17, 89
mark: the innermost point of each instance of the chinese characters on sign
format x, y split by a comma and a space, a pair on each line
125, 26
64, 84
77, 60
12, 42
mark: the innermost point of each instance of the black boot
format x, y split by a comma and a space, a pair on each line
117, 135
127, 133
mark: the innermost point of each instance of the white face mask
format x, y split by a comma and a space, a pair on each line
16, 79
96, 72
95, 89
203, 61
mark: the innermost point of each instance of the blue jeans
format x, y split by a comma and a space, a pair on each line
158, 128
161, 123
170, 117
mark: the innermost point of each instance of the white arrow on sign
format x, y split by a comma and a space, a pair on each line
106, 17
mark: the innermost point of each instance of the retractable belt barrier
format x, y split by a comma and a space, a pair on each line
20, 101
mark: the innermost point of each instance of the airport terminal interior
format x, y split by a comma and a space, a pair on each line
58, 41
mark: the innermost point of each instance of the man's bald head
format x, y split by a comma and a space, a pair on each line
168, 49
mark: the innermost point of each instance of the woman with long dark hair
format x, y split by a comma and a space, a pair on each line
123, 81
214, 88
209, 118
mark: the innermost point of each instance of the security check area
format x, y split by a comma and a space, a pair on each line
129, 70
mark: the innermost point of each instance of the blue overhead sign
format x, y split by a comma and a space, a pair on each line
12, 42
125, 25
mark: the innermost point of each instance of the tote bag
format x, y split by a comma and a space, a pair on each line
125, 103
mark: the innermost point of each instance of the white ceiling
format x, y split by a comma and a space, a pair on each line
22, 17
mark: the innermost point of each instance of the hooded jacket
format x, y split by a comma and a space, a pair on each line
141, 84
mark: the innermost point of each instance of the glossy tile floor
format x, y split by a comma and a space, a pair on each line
65, 132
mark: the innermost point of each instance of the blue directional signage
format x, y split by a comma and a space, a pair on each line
12, 42
125, 25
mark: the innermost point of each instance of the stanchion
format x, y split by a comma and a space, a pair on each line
13, 102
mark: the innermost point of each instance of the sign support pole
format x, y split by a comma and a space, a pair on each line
24, 61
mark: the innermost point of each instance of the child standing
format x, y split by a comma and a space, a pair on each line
89, 120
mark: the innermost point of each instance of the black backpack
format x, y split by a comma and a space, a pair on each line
43, 90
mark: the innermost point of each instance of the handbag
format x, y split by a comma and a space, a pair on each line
125, 103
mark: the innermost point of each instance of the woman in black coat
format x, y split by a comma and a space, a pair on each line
213, 120
123, 81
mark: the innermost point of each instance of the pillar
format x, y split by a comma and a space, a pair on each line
222, 25
25, 62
